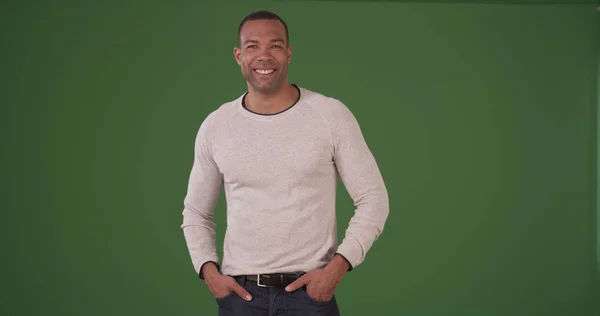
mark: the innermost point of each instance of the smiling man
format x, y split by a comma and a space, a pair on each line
277, 151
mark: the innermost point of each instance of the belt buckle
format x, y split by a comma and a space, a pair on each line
258, 282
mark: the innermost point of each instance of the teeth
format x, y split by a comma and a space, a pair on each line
264, 71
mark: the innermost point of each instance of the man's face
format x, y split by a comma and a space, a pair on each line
263, 54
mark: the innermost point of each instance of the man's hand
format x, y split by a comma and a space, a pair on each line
321, 283
221, 285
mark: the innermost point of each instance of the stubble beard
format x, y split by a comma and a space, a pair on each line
267, 87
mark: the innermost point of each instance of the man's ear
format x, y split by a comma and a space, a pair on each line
289, 53
236, 54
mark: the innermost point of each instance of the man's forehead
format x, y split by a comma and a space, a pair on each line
262, 28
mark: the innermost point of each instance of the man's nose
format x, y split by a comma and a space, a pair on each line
264, 58
265, 55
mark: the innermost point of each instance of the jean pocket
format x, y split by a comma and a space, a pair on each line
313, 300
230, 294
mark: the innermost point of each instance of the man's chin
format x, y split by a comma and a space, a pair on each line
266, 87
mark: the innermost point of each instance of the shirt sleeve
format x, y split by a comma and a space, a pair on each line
204, 187
362, 178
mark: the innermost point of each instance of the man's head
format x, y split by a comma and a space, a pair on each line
263, 51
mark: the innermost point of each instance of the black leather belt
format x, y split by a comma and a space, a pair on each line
273, 280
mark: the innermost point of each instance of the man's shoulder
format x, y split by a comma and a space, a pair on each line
222, 112
328, 106
218, 118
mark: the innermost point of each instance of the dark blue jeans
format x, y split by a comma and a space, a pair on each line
271, 301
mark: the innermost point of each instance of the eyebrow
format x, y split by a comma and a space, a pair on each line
275, 40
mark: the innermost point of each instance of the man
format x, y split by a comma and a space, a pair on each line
277, 151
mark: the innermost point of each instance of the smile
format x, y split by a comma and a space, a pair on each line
264, 71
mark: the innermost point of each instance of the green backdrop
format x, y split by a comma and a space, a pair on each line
482, 116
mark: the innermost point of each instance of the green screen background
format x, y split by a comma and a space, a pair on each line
482, 116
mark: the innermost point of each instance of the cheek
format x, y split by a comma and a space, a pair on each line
246, 69
283, 59
284, 62
246, 62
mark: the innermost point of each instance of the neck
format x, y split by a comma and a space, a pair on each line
271, 103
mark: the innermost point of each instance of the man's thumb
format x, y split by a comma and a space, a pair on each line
242, 292
297, 283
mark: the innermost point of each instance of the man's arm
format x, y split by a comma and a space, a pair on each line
204, 187
363, 181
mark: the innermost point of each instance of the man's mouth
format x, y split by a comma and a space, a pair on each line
264, 71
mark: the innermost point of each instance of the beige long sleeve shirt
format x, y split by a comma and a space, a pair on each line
279, 173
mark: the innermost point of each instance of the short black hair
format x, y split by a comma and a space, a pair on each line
263, 15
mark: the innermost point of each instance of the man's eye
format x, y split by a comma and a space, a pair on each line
276, 46
251, 46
